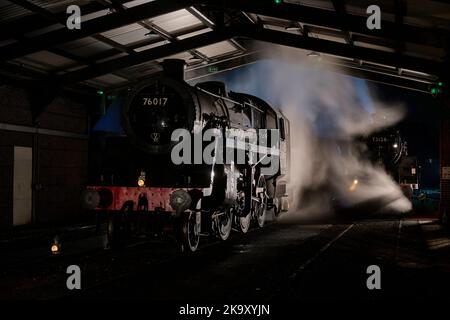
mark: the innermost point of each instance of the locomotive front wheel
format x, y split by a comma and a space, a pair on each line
224, 223
260, 206
190, 231
242, 220
244, 223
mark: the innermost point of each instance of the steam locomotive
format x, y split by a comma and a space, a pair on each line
385, 150
389, 149
142, 189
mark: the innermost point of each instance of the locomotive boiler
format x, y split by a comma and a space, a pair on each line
143, 186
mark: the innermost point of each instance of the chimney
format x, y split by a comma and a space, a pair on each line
174, 68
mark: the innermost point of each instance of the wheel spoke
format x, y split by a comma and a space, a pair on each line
260, 203
190, 233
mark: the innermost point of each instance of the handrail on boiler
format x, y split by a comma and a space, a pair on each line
230, 100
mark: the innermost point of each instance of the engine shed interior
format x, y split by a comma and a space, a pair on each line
92, 90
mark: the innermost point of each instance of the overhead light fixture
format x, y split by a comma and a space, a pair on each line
313, 54
293, 26
151, 33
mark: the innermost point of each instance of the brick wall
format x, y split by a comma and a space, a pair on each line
62, 173
60, 163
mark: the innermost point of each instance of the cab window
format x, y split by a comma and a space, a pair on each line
282, 129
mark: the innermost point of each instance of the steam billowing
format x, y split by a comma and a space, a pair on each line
327, 111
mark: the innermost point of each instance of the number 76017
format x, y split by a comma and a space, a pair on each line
158, 102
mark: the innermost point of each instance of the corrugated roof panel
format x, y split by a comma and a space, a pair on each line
136, 3
46, 60
429, 22
379, 65
149, 46
127, 34
274, 21
428, 9
5, 42
192, 34
282, 29
85, 47
75, 68
333, 56
10, 11
182, 55
217, 49
359, 8
373, 46
280, 24
327, 37
108, 80
59, 5
175, 21
94, 15
322, 4
417, 74
37, 32
121, 54
426, 52
142, 69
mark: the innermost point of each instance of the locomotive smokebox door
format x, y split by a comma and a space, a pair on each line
154, 109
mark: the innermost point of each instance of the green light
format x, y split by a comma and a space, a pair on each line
278, 1
213, 69
100, 92
440, 84
436, 90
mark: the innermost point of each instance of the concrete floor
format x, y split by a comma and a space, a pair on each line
282, 262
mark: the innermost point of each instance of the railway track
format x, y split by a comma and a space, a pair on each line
279, 262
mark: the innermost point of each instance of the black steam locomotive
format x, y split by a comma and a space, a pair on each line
148, 181
389, 149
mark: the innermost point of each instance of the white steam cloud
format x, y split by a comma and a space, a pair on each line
326, 113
